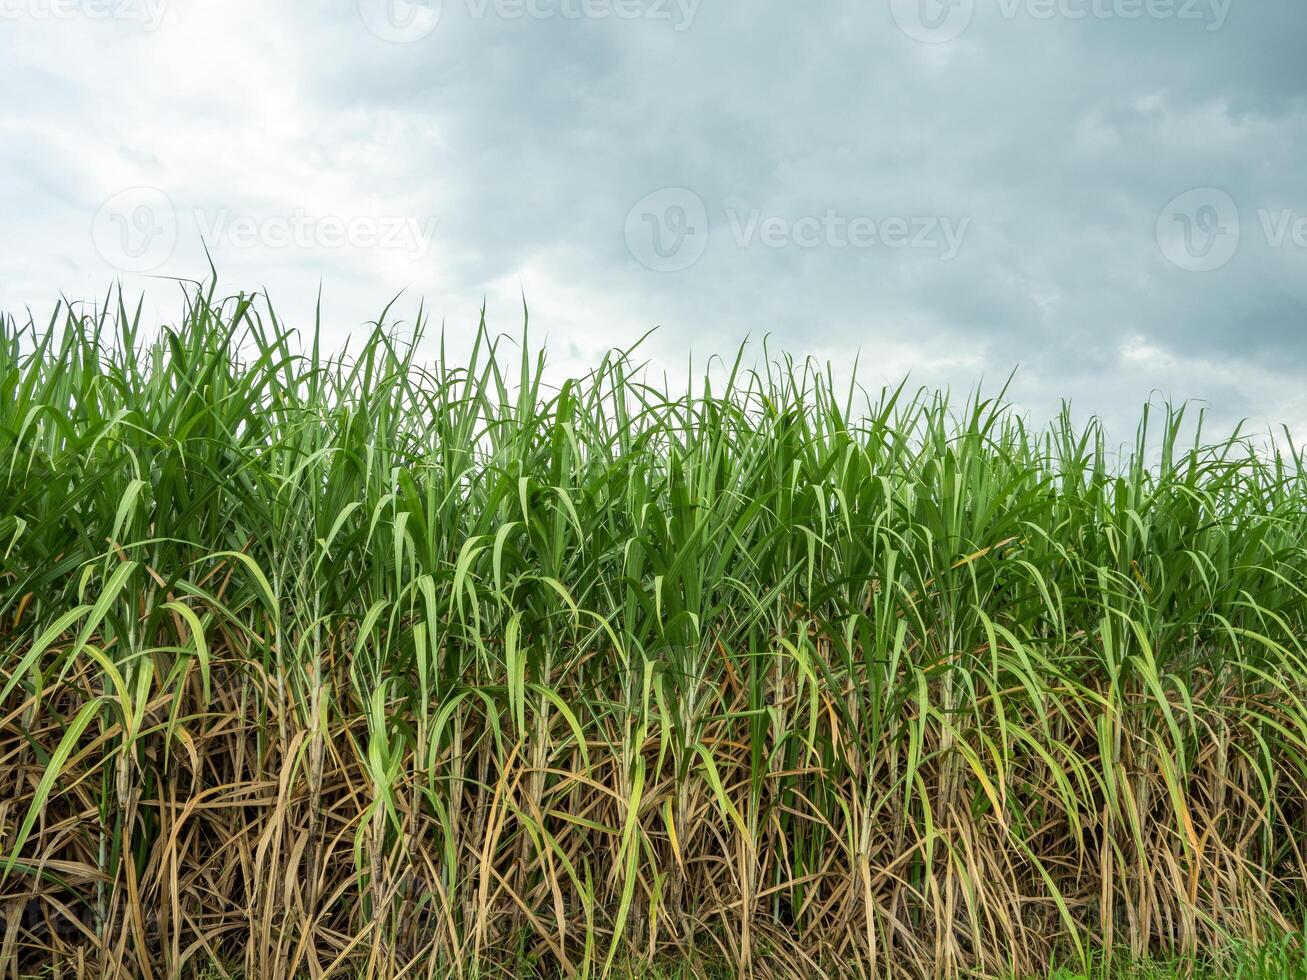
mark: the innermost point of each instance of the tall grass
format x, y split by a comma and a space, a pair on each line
341, 666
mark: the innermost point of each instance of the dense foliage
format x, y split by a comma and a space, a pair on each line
358, 665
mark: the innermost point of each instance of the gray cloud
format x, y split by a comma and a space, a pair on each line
1054, 143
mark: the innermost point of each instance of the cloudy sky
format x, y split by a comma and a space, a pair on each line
1108, 195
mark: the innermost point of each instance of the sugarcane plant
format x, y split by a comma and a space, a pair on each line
394, 662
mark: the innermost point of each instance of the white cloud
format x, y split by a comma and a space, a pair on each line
512, 148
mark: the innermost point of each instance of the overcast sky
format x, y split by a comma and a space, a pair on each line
1110, 195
